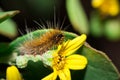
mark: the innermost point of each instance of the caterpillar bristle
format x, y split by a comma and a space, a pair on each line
42, 43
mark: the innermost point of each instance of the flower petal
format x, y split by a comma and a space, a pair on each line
13, 73
64, 74
97, 3
51, 76
76, 62
72, 45
114, 8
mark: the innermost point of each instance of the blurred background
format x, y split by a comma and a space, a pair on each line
101, 37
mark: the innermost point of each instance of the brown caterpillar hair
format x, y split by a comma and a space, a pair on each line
42, 43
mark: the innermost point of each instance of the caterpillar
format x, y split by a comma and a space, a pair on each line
42, 43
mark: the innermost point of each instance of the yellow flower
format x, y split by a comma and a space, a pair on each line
12, 73
107, 7
63, 59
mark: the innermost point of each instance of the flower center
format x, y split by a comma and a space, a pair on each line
59, 62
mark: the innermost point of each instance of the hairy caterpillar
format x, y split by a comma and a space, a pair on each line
42, 43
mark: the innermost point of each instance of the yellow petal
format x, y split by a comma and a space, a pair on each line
73, 45
114, 8
76, 62
64, 74
51, 76
97, 3
12, 73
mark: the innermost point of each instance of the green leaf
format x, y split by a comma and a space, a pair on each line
77, 16
4, 57
99, 67
112, 29
8, 28
96, 28
8, 14
3, 47
35, 71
